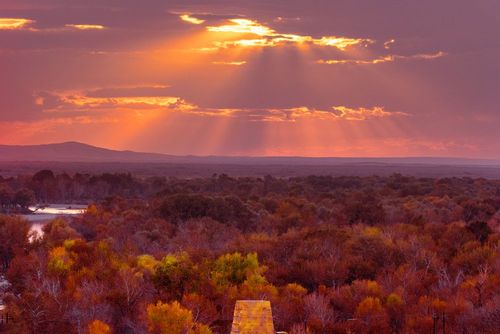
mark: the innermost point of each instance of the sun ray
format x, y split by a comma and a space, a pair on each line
245, 45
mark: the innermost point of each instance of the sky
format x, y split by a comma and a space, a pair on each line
339, 78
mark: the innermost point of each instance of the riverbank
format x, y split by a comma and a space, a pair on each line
41, 215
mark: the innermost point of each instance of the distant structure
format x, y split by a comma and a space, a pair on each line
252, 317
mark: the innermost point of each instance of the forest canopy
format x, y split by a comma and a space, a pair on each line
373, 254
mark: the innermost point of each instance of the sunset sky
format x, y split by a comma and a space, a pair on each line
254, 77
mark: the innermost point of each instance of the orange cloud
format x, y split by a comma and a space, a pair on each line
190, 19
335, 113
385, 59
231, 63
243, 26
268, 37
86, 26
25, 24
15, 23
361, 114
380, 60
74, 102
78, 101
340, 43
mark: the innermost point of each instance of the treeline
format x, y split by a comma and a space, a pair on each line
333, 254
47, 187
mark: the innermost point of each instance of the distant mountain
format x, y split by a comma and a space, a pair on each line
78, 152
74, 152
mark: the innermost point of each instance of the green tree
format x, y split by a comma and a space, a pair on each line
173, 273
234, 269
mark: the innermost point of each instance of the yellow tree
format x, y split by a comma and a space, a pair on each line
99, 327
172, 319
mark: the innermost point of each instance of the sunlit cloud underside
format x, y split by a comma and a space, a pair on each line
193, 20
14, 23
77, 102
381, 60
260, 35
28, 25
86, 26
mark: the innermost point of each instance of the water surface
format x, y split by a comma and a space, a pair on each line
42, 215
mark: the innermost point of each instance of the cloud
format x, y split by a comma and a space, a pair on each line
380, 60
335, 113
243, 26
361, 114
191, 19
97, 102
72, 102
15, 23
86, 26
26, 24
385, 59
425, 56
259, 35
281, 19
231, 63
389, 44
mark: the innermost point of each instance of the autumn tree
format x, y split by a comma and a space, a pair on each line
99, 327
13, 238
172, 319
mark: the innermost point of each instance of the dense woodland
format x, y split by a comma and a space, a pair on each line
333, 254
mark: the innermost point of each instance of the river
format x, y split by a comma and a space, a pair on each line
42, 215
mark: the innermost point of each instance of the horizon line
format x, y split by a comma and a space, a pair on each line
490, 159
